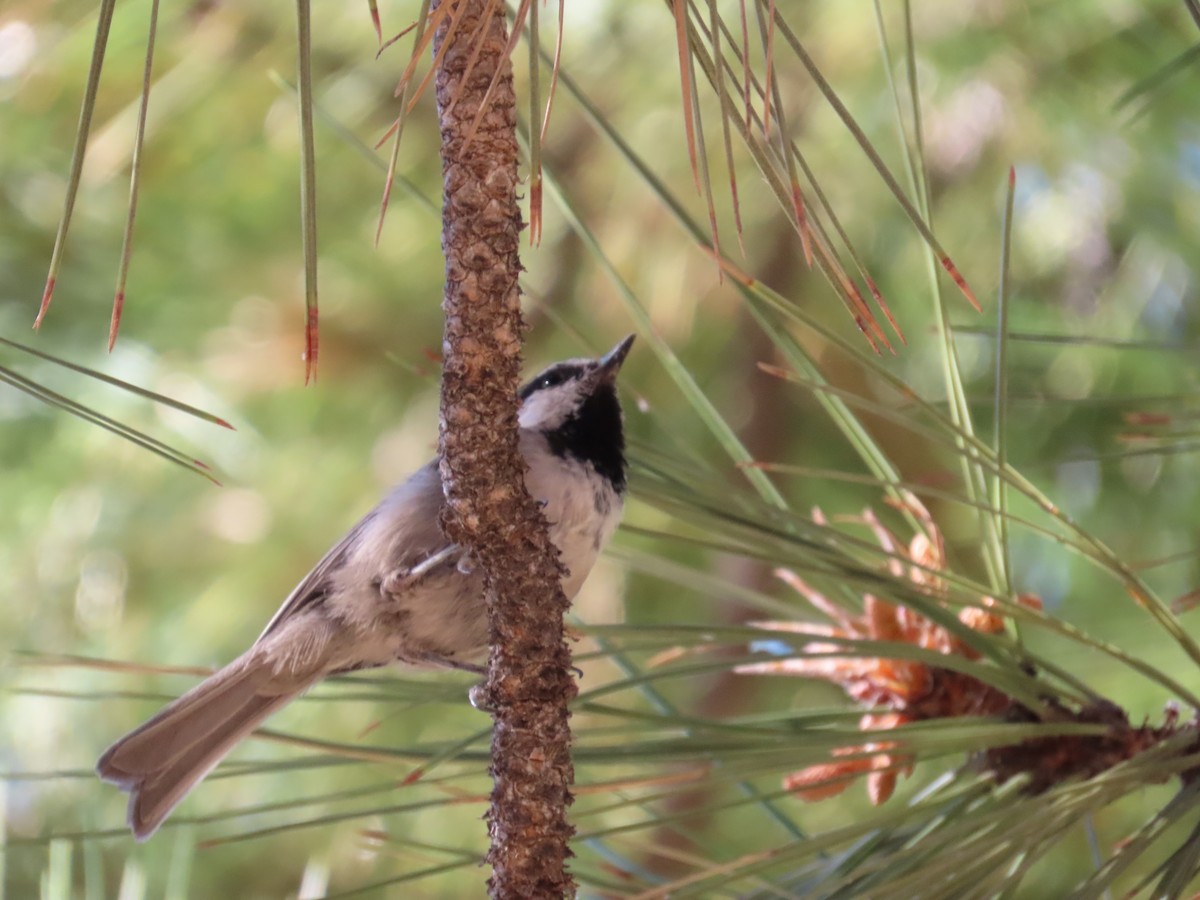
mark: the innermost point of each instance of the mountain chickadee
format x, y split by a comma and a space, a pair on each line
392, 590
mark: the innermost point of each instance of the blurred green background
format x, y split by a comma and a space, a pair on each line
109, 552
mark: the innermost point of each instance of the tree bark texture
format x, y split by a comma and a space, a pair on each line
529, 682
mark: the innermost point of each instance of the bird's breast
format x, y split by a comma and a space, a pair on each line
582, 510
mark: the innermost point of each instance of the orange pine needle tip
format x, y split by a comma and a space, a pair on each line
866, 332
377, 23
670, 655
370, 728
387, 134
47, 296
115, 325
1186, 602
952, 271
1138, 596
310, 346
535, 212
1136, 417
413, 777
729, 268
774, 370
802, 225
393, 39
755, 464
887, 310
825, 780
863, 316
880, 786
383, 206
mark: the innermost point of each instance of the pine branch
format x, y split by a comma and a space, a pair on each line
529, 683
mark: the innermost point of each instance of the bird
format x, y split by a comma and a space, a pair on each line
393, 589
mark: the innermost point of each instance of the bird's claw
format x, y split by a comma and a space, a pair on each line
405, 578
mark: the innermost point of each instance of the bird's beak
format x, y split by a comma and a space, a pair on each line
610, 362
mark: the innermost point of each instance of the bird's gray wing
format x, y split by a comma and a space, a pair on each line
313, 587
407, 518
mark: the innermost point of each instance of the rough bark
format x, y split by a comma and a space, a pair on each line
529, 682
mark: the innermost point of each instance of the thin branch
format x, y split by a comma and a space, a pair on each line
488, 508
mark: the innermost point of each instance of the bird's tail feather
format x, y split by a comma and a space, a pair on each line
162, 760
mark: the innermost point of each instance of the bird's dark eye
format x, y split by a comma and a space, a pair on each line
549, 379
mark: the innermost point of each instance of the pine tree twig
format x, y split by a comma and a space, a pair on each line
489, 511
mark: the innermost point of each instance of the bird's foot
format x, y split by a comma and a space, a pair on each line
402, 579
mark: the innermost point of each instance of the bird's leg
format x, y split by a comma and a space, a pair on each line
405, 578
435, 659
